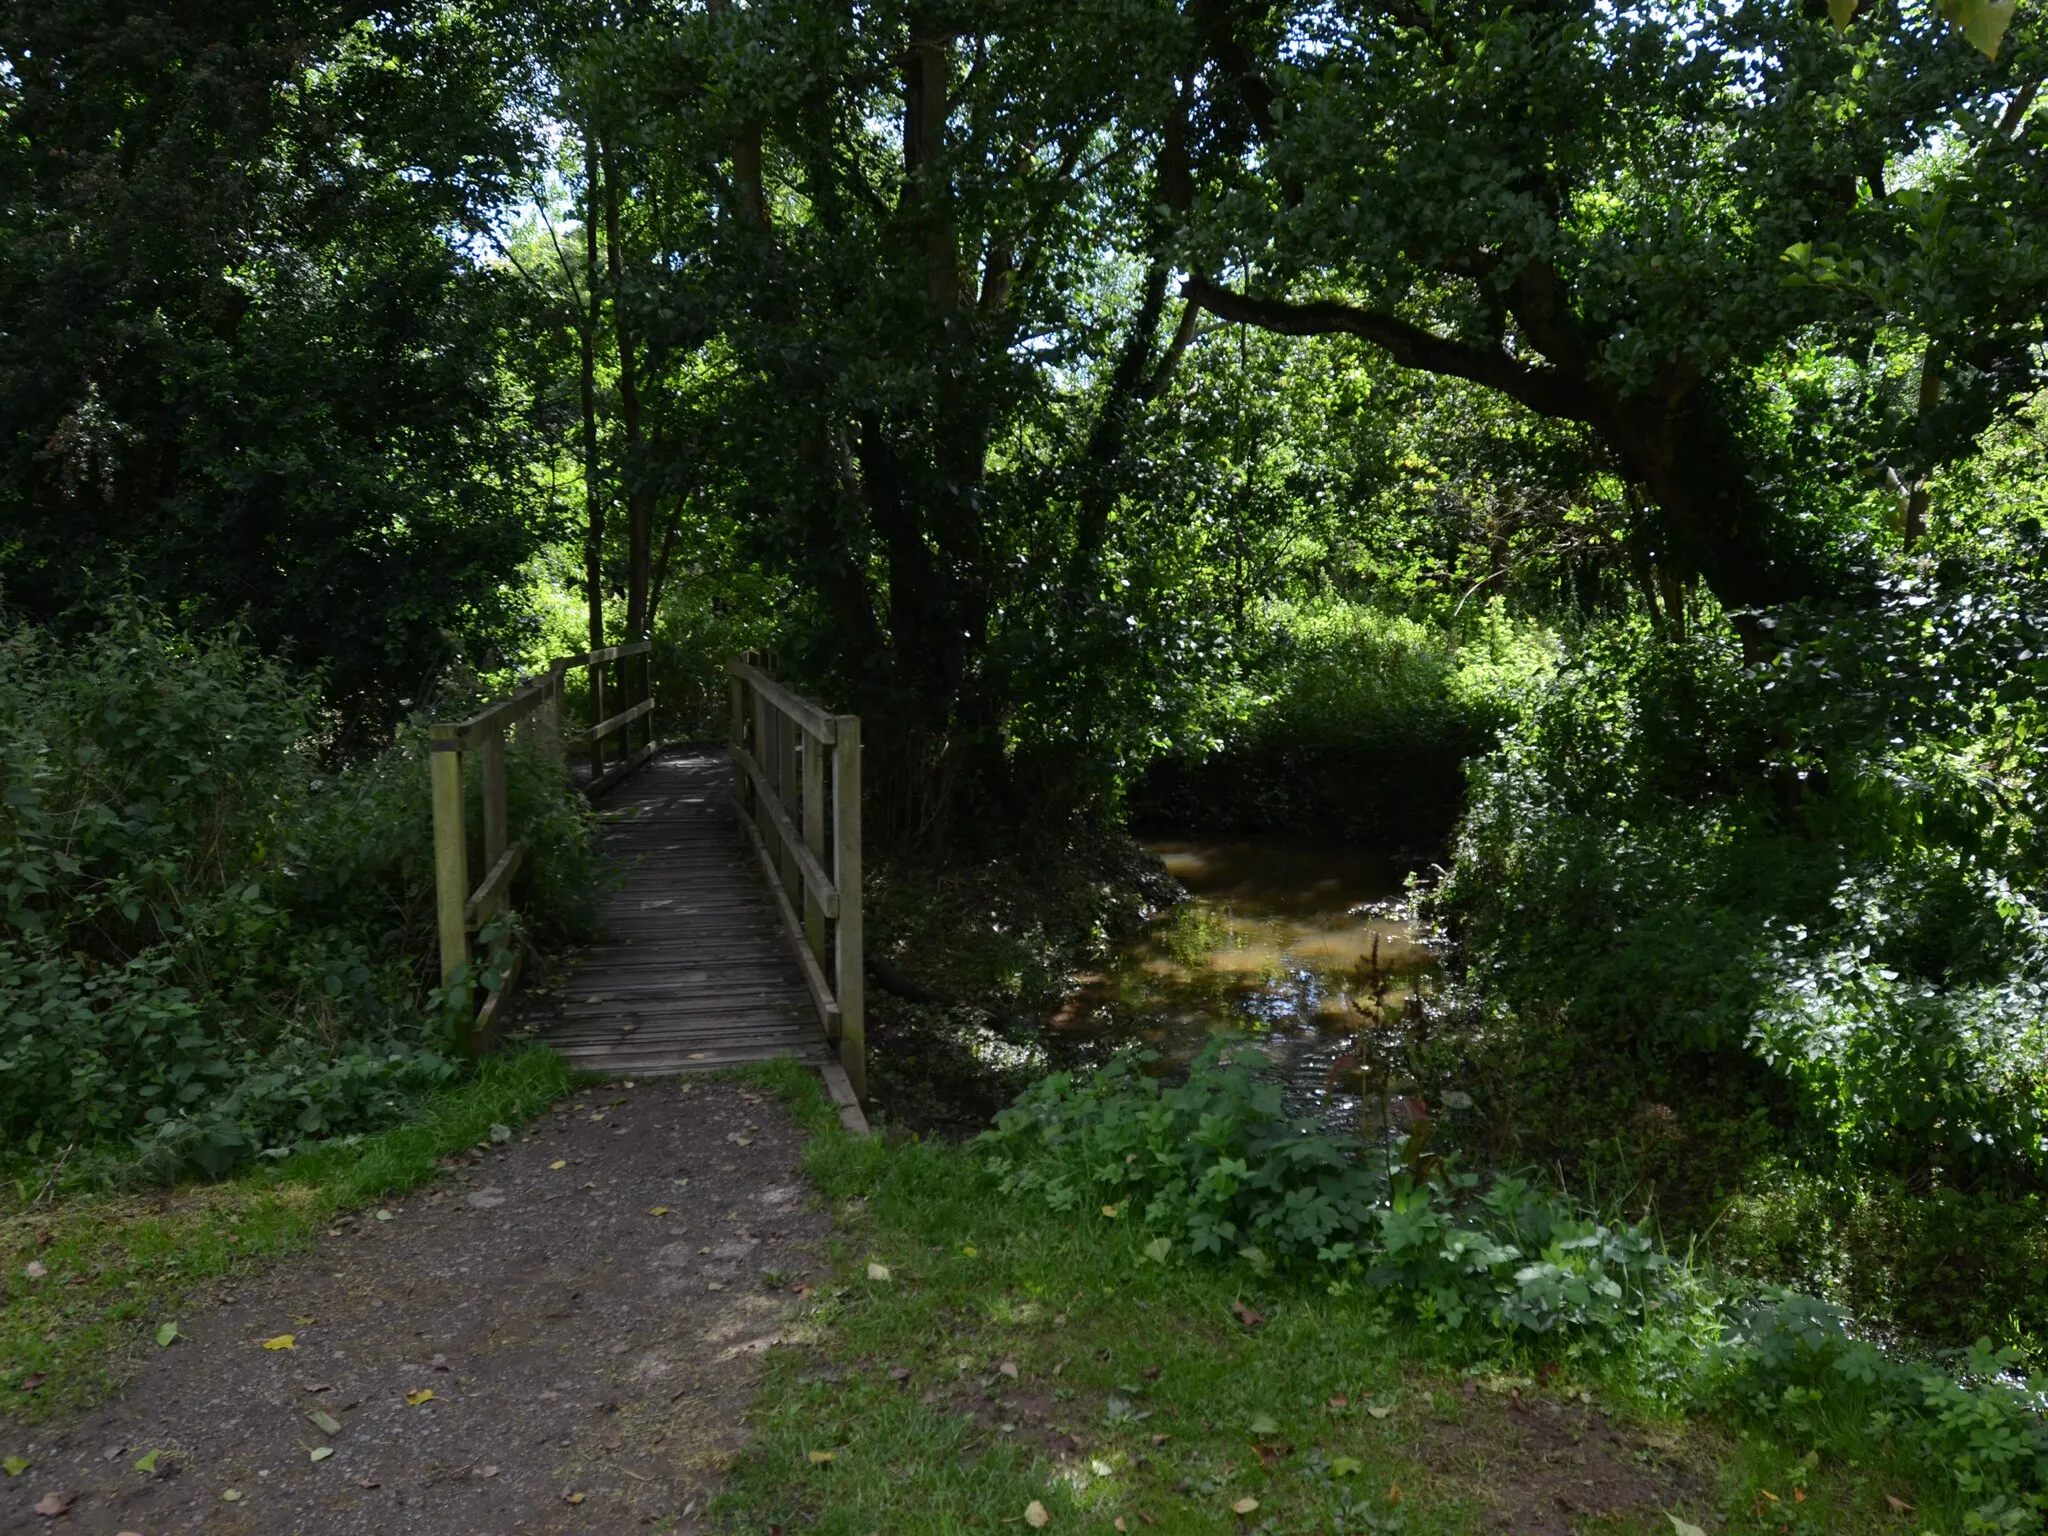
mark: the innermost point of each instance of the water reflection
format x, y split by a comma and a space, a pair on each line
1306, 947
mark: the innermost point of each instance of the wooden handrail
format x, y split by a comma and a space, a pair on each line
798, 797
461, 911
812, 718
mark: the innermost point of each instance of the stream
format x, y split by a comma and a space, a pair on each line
1306, 948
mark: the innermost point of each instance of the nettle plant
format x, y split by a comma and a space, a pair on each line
1214, 1163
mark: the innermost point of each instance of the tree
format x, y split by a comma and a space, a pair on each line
248, 365
1625, 219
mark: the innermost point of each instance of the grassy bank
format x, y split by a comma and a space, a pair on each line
975, 1355
89, 1282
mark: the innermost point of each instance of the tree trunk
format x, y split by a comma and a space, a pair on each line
593, 497
639, 505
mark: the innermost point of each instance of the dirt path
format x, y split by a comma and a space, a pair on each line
586, 1360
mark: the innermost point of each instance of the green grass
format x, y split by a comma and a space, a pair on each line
116, 1268
885, 1422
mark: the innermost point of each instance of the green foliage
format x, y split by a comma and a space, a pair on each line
213, 944
1214, 1163
1348, 722
251, 367
1792, 1362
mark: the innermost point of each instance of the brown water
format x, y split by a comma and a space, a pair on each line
1304, 947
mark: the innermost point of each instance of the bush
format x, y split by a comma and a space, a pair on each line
214, 946
1349, 723
1216, 1164
1214, 1167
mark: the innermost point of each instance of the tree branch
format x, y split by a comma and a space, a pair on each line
1547, 391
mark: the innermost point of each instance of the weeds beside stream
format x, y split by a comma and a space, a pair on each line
978, 1352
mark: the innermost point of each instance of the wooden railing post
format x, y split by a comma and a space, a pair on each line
451, 854
814, 839
495, 831
597, 717
846, 875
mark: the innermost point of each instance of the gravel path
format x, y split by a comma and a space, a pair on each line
560, 1335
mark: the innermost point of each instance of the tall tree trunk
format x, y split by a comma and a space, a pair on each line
639, 505
593, 495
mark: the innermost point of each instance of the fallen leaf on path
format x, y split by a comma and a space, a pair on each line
1118, 1523
53, 1504
231, 1495
500, 1134
33, 1380
1245, 1506
1378, 1412
320, 1452
1394, 1494
1035, 1515
147, 1463
900, 1373
1898, 1505
1009, 1369
16, 1465
486, 1471
1161, 1439
1264, 1424
821, 1458
422, 1395
1345, 1466
1340, 1401
326, 1423
1158, 1249
383, 1213
1683, 1527
315, 1386
35, 1269
559, 1163
878, 1271
970, 1251
1101, 1468
166, 1335
282, 1341
1109, 1211
1246, 1315
577, 1498
657, 1210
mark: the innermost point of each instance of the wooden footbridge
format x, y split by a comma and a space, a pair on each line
732, 926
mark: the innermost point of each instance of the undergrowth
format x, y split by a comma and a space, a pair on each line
215, 944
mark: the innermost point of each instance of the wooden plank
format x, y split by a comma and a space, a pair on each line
821, 994
451, 857
603, 654
490, 1019
492, 759
812, 717
846, 869
617, 771
623, 717
814, 877
494, 718
497, 886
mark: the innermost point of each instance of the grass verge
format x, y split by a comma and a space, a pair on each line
88, 1282
974, 1362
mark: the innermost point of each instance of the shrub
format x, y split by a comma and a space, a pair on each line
212, 945
1214, 1163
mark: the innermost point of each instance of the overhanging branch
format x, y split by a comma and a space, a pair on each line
1547, 391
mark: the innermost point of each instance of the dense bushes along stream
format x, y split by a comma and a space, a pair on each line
214, 944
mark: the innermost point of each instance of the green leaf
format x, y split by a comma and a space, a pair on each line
1345, 1466
16, 1465
321, 1452
1158, 1249
1682, 1527
1983, 22
1264, 1424
1842, 11
326, 1423
166, 1334
147, 1463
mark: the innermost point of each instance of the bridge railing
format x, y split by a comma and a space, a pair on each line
798, 795
462, 911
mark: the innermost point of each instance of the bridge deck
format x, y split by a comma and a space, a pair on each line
695, 970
